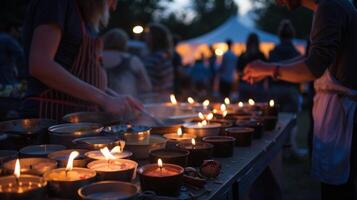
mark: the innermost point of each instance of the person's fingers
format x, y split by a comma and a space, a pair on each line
134, 103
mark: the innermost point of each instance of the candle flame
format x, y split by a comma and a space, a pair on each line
240, 104
209, 117
193, 141
199, 124
227, 101
71, 158
251, 102
205, 103
179, 132
173, 99
214, 111
116, 149
223, 107
225, 113
201, 116
271, 103
106, 153
204, 123
17, 170
159, 163
190, 100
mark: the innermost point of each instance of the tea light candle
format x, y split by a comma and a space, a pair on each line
171, 156
32, 166
243, 136
205, 104
112, 168
163, 179
21, 186
174, 138
270, 109
117, 152
64, 182
202, 129
223, 145
40, 150
62, 157
199, 151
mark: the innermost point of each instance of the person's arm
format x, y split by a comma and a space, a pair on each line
42, 66
325, 43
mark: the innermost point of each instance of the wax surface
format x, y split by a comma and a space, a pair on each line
212, 125
112, 166
163, 172
73, 175
174, 136
20, 187
97, 155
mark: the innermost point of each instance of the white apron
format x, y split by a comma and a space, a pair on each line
333, 113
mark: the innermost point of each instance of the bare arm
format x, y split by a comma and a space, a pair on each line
296, 72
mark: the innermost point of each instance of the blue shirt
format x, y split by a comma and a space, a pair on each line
228, 66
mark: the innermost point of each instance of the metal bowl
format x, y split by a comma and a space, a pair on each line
114, 190
93, 117
131, 133
40, 150
62, 157
24, 132
65, 133
141, 151
96, 143
32, 166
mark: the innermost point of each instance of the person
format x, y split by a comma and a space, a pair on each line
177, 64
126, 73
11, 65
62, 52
251, 53
331, 62
212, 65
200, 76
159, 61
287, 94
227, 70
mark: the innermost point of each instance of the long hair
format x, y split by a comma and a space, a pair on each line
160, 38
95, 12
252, 44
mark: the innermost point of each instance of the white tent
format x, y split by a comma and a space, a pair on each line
231, 29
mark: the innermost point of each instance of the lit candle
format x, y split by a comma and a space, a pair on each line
205, 104
227, 101
32, 166
174, 138
173, 99
203, 128
190, 100
162, 178
118, 152
64, 182
240, 104
251, 102
271, 109
21, 186
199, 151
112, 168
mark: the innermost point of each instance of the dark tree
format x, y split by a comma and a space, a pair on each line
269, 16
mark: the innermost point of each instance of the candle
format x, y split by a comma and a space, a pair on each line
108, 190
199, 151
171, 156
21, 186
117, 152
32, 166
227, 101
271, 109
205, 104
112, 168
173, 99
64, 182
162, 178
223, 145
62, 157
40, 150
190, 100
202, 129
174, 138
243, 136
137, 135
256, 125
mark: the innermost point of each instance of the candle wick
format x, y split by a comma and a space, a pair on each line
66, 172
17, 181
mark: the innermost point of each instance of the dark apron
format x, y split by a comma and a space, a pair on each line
54, 104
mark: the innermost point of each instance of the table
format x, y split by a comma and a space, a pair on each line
240, 171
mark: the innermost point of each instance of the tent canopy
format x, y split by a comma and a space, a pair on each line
232, 29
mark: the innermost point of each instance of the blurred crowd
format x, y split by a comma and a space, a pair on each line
151, 69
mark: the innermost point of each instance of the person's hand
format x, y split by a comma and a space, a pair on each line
257, 71
121, 104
